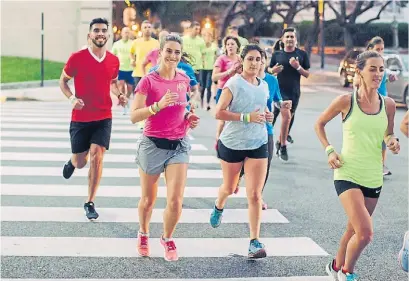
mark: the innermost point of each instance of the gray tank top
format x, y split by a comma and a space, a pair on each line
247, 98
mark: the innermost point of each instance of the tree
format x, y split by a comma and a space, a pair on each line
347, 12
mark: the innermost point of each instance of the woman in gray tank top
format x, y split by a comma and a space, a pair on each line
243, 106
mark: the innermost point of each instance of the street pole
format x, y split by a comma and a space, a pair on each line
42, 49
321, 13
395, 27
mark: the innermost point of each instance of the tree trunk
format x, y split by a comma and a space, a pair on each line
349, 43
313, 33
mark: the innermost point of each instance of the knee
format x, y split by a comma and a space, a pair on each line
175, 205
254, 197
147, 203
96, 154
365, 236
229, 188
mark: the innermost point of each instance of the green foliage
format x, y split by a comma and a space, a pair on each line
17, 69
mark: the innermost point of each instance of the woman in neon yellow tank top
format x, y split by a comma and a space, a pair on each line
367, 120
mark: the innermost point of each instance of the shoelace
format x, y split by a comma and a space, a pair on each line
144, 241
170, 245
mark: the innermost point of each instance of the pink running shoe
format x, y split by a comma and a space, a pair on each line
143, 245
170, 250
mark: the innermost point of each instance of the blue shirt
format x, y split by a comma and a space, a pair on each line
274, 96
247, 98
382, 87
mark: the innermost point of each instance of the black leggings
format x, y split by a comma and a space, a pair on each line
270, 146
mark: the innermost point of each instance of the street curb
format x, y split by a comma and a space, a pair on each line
28, 84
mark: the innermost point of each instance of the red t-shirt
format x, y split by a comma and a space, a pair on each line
92, 82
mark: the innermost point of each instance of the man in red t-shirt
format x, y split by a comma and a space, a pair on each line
95, 73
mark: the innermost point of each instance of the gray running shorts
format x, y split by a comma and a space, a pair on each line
153, 160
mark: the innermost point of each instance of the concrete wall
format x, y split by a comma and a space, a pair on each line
66, 26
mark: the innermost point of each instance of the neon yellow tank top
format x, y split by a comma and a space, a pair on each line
362, 146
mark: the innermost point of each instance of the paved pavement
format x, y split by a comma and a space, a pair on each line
45, 233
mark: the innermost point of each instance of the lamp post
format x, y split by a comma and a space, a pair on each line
321, 13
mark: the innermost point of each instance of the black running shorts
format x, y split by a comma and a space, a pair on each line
84, 133
342, 185
236, 156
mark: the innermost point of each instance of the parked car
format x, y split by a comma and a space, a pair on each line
398, 65
346, 68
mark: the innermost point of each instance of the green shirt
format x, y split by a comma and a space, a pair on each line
122, 49
209, 57
195, 48
362, 146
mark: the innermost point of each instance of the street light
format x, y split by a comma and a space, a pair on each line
321, 13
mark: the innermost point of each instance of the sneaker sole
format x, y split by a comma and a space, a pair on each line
328, 271
259, 255
401, 250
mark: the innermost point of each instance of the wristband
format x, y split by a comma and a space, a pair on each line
151, 110
72, 99
242, 117
156, 106
299, 68
247, 117
329, 149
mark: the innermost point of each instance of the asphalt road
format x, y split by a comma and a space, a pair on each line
45, 235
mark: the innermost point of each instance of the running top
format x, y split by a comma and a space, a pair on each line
362, 145
274, 96
382, 87
122, 49
247, 98
224, 63
169, 122
92, 82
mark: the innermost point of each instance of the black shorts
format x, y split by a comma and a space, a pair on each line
84, 133
236, 156
342, 185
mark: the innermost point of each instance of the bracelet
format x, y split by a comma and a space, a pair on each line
247, 118
329, 149
242, 117
156, 106
151, 110
299, 68
72, 99
186, 115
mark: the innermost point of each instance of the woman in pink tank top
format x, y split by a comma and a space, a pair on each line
160, 99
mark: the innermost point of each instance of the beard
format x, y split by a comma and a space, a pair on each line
98, 43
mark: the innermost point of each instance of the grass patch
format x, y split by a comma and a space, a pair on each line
17, 69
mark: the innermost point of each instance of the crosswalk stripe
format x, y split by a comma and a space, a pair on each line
64, 135
128, 215
66, 144
125, 247
56, 120
105, 191
293, 278
112, 158
106, 172
115, 127
17, 113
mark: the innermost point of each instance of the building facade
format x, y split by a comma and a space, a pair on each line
66, 24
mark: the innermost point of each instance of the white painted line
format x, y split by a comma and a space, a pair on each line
108, 157
106, 172
45, 134
293, 278
66, 144
115, 127
105, 191
124, 215
58, 113
64, 122
126, 247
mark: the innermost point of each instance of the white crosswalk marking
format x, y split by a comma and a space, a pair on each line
44, 219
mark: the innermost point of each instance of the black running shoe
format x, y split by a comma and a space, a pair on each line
278, 145
290, 139
90, 211
283, 153
68, 169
